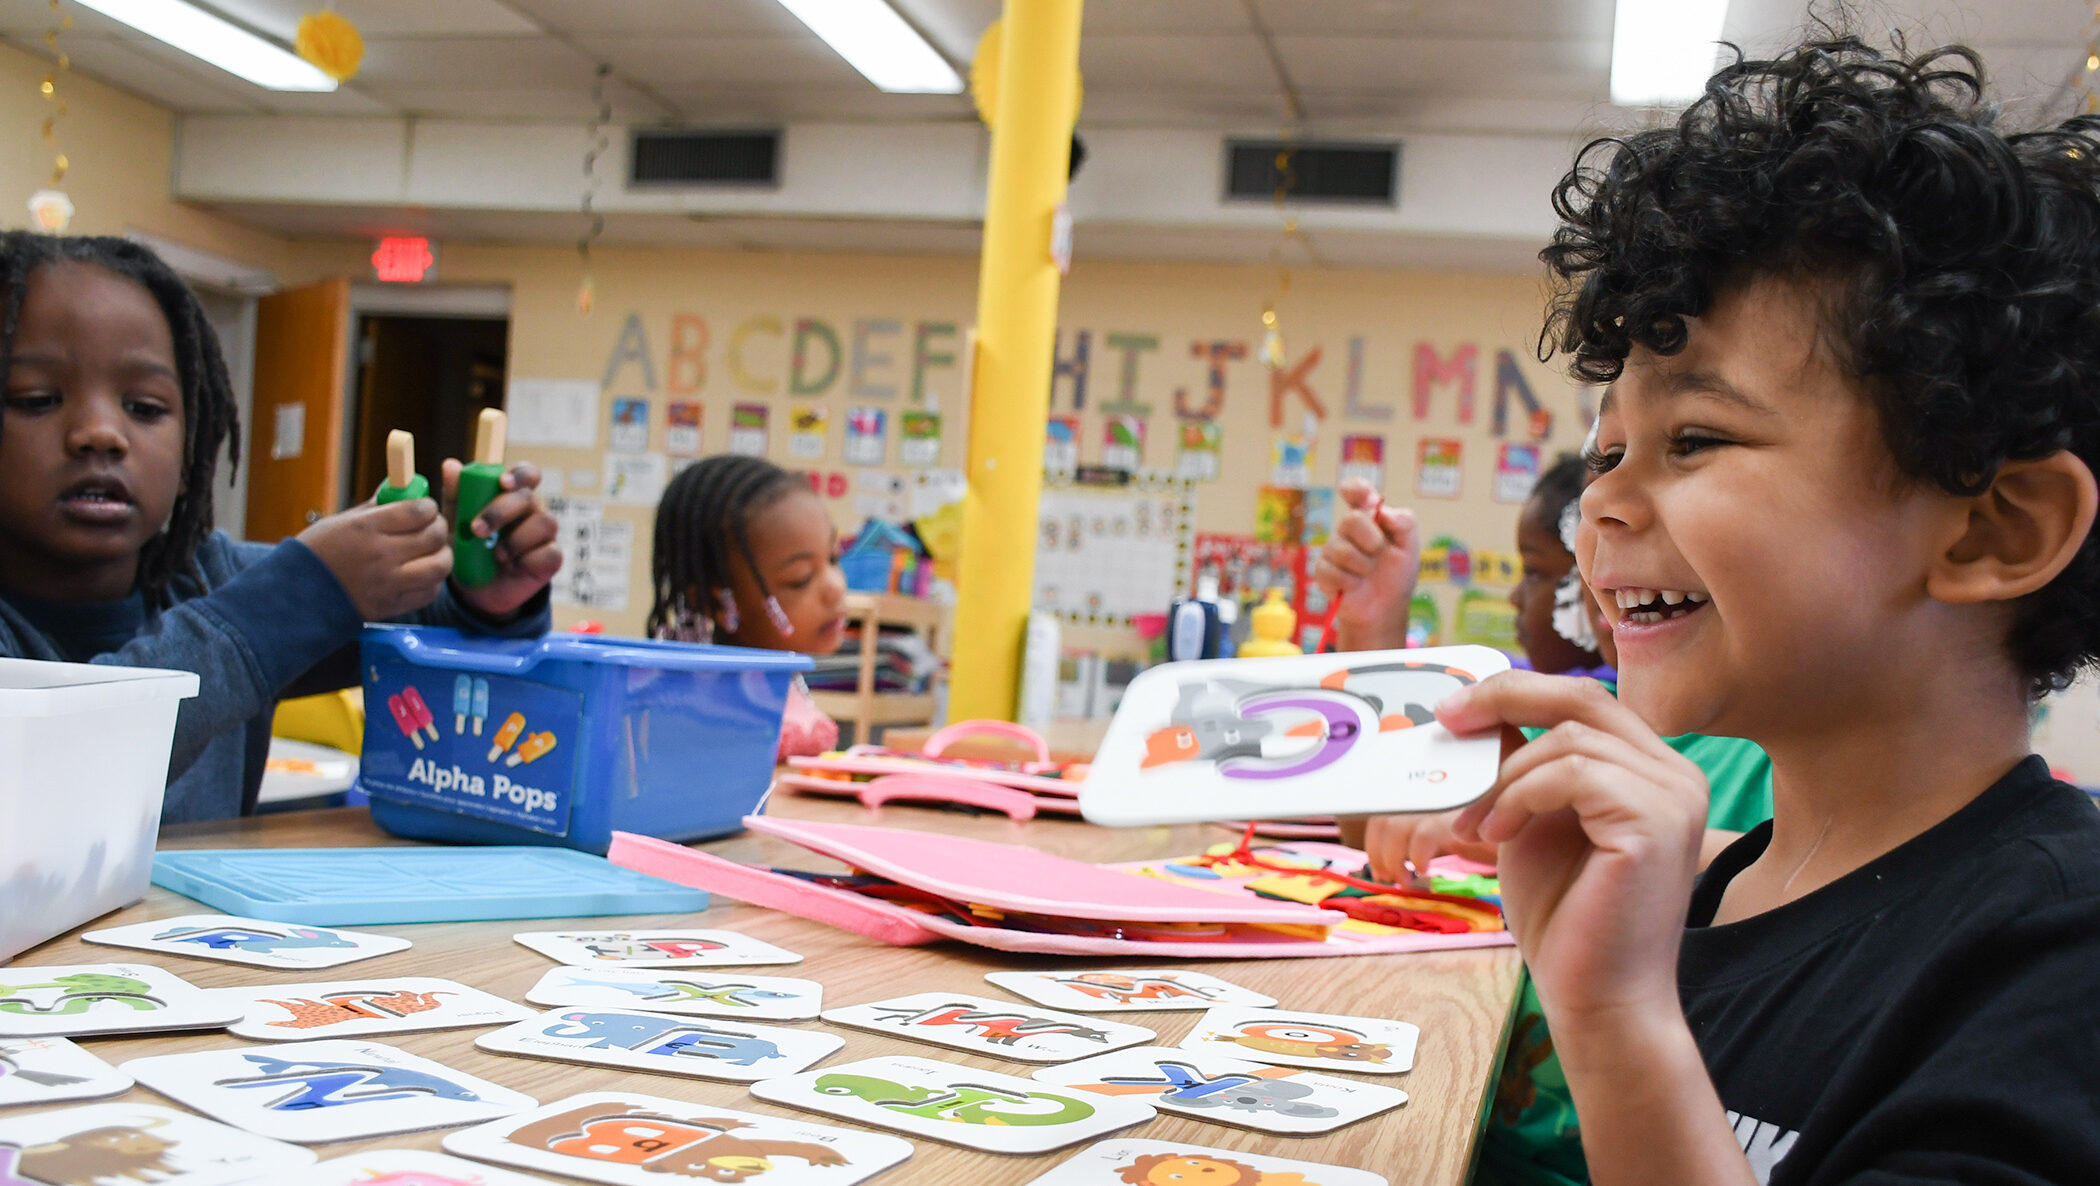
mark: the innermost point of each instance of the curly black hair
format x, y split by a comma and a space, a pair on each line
210, 413
1961, 264
701, 517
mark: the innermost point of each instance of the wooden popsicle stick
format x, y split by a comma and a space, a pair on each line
488, 436
400, 459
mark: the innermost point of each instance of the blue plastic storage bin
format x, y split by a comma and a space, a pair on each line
563, 740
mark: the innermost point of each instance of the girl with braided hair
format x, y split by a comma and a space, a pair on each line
746, 554
114, 406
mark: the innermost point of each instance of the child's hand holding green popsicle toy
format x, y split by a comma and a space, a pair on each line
503, 549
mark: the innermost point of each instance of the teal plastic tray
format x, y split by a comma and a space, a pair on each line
349, 886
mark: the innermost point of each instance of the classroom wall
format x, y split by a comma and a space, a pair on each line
1403, 356
120, 151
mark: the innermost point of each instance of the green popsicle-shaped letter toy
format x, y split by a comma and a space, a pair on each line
480, 480
402, 480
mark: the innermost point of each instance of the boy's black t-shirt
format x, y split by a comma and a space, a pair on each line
1934, 1016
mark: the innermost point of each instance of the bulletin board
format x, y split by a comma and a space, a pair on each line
1105, 554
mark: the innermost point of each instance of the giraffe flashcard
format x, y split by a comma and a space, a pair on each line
351, 1008
68, 1000
313, 1092
669, 990
249, 941
630, 1139
980, 1025
956, 1104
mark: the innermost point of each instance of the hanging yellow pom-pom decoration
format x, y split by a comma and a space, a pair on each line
331, 43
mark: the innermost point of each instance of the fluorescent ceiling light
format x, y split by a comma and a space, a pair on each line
227, 46
1662, 51
875, 41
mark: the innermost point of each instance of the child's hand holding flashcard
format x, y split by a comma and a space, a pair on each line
1312, 735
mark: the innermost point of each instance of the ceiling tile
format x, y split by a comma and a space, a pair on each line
1484, 66
1167, 16
1179, 108
386, 18
1160, 62
661, 18
1541, 19
472, 62
671, 62
189, 85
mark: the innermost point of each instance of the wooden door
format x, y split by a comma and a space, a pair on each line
294, 450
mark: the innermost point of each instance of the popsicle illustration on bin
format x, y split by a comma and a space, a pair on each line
402, 480
530, 751
481, 704
513, 725
419, 711
470, 698
405, 718
474, 558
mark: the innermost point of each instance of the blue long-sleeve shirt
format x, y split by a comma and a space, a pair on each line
266, 622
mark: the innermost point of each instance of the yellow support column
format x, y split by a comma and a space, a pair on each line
1031, 113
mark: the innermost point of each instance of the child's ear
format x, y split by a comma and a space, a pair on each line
2020, 533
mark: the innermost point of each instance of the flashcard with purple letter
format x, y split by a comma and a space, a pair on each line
630, 1139
66, 1000
1126, 990
655, 949
705, 994
127, 1143
406, 1167
980, 1025
1303, 735
353, 1008
1155, 1163
52, 1070
1223, 1090
956, 1104
706, 1049
313, 1092
1323, 1041
249, 941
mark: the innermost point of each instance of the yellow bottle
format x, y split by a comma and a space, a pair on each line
1272, 623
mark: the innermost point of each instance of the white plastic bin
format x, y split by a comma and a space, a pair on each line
83, 765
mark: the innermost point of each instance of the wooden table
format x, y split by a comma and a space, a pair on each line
1461, 999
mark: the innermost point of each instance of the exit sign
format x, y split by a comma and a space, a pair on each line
404, 260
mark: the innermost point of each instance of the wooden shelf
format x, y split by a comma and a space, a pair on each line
864, 706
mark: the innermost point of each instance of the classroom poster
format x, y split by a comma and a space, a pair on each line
1123, 443
637, 479
865, 431
811, 425
1438, 473
919, 439
1061, 445
682, 428
1497, 568
1363, 457
558, 412
1516, 472
1202, 446
747, 429
1290, 461
1279, 515
630, 426
1319, 515
596, 555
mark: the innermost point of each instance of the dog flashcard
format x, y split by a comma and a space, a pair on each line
630, 1139
126, 1143
407, 1167
980, 1025
1123, 990
332, 1090
1322, 1041
68, 1000
956, 1104
249, 941
1311, 735
1133, 1162
704, 1049
355, 1008
1224, 1090
53, 1070
704, 994
655, 949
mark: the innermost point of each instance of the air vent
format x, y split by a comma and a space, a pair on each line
1346, 174
705, 158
